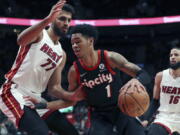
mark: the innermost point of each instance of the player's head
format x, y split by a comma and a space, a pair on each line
174, 57
61, 25
83, 38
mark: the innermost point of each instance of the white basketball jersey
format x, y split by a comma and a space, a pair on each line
35, 64
170, 93
169, 110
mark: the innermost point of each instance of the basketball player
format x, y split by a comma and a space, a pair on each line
39, 64
98, 71
166, 98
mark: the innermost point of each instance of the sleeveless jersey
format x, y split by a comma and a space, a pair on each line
101, 83
169, 110
170, 93
35, 64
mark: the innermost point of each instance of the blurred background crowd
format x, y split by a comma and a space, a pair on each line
147, 45
92, 9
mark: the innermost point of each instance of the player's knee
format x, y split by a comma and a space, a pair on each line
39, 131
95, 131
175, 133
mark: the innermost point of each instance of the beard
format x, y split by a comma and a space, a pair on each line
175, 66
58, 31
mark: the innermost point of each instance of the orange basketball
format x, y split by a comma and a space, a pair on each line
133, 101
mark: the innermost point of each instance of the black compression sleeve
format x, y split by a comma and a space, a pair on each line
154, 105
41, 105
143, 77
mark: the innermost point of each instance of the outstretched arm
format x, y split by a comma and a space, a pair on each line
54, 84
55, 88
34, 33
74, 94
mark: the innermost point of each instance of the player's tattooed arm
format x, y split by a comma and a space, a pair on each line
116, 60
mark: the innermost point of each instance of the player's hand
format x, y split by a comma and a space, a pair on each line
78, 94
34, 103
144, 123
30, 101
132, 83
55, 11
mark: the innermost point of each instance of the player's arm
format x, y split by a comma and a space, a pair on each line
72, 96
154, 105
116, 60
157, 87
34, 33
59, 104
43, 104
54, 85
55, 89
74, 85
72, 79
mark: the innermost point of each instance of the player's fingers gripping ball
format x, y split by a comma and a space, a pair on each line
134, 100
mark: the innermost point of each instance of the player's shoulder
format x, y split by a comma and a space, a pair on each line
72, 68
161, 73
113, 58
111, 54
158, 76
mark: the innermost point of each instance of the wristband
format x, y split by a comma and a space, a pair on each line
41, 105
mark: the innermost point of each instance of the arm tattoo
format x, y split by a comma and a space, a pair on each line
123, 64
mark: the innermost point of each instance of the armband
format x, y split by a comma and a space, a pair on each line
152, 109
41, 105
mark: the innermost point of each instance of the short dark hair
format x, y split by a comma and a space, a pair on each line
86, 30
69, 8
177, 46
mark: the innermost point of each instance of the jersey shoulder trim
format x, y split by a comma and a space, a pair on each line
107, 63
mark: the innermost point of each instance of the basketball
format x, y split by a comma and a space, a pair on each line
133, 101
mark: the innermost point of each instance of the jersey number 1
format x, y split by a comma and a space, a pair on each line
108, 90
